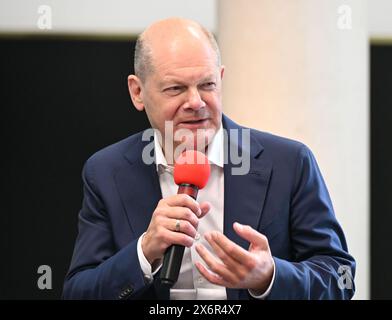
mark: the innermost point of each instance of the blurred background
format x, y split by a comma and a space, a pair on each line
316, 71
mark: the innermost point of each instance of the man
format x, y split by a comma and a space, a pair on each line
267, 234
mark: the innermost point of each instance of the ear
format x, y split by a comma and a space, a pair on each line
135, 91
222, 71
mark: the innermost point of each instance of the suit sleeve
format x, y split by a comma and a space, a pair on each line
97, 271
321, 267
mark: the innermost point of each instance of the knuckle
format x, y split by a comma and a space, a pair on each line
188, 214
158, 220
189, 201
231, 250
188, 228
187, 241
162, 246
237, 282
185, 198
263, 238
222, 256
251, 264
241, 275
214, 267
185, 226
167, 241
160, 231
158, 212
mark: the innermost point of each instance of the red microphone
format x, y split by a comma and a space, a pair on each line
191, 173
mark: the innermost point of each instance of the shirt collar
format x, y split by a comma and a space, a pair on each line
214, 154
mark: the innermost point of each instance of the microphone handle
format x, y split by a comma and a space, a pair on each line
173, 256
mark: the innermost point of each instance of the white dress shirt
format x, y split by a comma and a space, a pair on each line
191, 285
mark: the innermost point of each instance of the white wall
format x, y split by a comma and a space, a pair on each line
132, 16
380, 18
102, 16
292, 71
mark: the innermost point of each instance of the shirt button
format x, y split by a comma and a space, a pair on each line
200, 280
197, 236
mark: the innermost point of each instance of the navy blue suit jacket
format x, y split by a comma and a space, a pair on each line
283, 196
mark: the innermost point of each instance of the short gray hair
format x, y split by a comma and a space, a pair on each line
143, 65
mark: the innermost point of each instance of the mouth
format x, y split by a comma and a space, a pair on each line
195, 123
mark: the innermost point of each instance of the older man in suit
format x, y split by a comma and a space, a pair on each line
267, 232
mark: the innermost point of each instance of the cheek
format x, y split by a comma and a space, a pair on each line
162, 109
174, 105
169, 109
214, 103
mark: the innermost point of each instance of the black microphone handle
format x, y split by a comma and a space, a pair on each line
173, 256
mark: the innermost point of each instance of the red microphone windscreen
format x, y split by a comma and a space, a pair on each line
192, 167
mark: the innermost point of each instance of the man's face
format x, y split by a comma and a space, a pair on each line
185, 88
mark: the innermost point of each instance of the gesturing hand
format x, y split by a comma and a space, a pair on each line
238, 268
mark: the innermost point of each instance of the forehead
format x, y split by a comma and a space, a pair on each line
184, 58
194, 73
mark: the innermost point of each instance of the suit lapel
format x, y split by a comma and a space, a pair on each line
244, 194
138, 186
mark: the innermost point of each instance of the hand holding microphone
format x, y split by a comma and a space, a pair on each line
174, 222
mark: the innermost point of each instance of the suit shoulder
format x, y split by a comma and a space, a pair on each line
287, 155
272, 142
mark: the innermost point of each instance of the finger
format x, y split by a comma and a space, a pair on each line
179, 238
183, 200
251, 235
230, 248
216, 266
205, 208
221, 254
182, 213
210, 276
184, 227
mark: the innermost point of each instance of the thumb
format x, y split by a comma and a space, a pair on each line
251, 235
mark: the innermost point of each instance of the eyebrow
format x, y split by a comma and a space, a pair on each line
209, 78
176, 80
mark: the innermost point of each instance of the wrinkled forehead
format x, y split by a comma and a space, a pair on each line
183, 54
185, 45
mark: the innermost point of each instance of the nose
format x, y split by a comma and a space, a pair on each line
194, 100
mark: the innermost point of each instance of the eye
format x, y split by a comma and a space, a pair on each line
209, 85
174, 90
